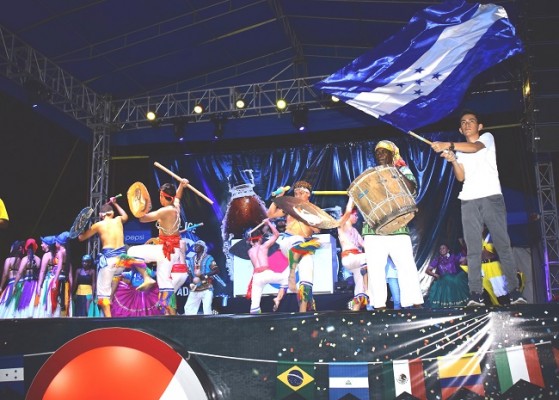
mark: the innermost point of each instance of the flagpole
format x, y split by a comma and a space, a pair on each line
415, 135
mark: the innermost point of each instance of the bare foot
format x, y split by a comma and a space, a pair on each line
276, 304
147, 284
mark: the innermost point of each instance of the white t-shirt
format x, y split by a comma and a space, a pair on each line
480, 168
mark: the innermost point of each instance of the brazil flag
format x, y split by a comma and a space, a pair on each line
295, 381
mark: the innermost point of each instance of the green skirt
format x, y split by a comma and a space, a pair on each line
449, 291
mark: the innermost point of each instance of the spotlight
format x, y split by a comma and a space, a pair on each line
240, 103
198, 109
37, 92
334, 99
300, 118
281, 104
151, 116
179, 126
219, 121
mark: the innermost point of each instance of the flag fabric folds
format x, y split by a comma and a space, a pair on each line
456, 372
516, 363
404, 376
420, 75
347, 379
295, 378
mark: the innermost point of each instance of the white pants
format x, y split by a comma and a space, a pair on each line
305, 265
260, 280
399, 248
353, 263
204, 297
154, 253
105, 278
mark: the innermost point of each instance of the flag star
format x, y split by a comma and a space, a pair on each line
419, 82
419, 70
400, 84
436, 75
418, 92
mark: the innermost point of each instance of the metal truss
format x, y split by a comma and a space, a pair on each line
260, 100
550, 228
25, 66
99, 184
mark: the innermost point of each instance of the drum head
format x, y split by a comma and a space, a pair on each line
138, 199
80, 223
305, 212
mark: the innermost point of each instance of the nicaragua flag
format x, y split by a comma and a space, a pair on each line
420, 75
348, 379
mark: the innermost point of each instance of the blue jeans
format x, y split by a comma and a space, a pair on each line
490, 211
395, 290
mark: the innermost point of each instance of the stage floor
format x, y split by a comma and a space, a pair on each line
242, 356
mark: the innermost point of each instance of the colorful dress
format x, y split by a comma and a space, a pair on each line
26, 291
129, 302
7, 298
451, 288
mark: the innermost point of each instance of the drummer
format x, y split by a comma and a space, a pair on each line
397, 245
298, 246
168, 253
111, 232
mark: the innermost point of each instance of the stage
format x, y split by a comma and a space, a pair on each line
492, 352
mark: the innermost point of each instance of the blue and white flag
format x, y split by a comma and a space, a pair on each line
348, 379
420, 75
11, 376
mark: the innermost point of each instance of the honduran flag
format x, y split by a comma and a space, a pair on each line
11, 377
404, 376
420, 75
457, 372
348, 379
516, 363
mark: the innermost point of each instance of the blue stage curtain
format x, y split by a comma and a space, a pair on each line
326, 167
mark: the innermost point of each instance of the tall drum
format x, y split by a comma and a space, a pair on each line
383, 199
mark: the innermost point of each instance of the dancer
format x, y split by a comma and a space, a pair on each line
45, 296
450, 287
353, 258
474, 163
397, 245
111, 233
7, 285
298, 246
169, 252
28, 274
202, 268
262, 274
63, 275
84, 287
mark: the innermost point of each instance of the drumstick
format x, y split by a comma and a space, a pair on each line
329, 192
415, 135
116, 197
178, 178
256, 227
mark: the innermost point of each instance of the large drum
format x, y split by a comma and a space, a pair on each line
383, 199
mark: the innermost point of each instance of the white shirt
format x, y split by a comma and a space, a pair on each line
481, 177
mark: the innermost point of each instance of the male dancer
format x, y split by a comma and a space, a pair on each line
111, 233
299, 246
397, 245
262, 274
353, 258
169, 253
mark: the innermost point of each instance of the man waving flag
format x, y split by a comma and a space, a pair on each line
420, 75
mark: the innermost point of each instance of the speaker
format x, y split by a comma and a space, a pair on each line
546, 138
